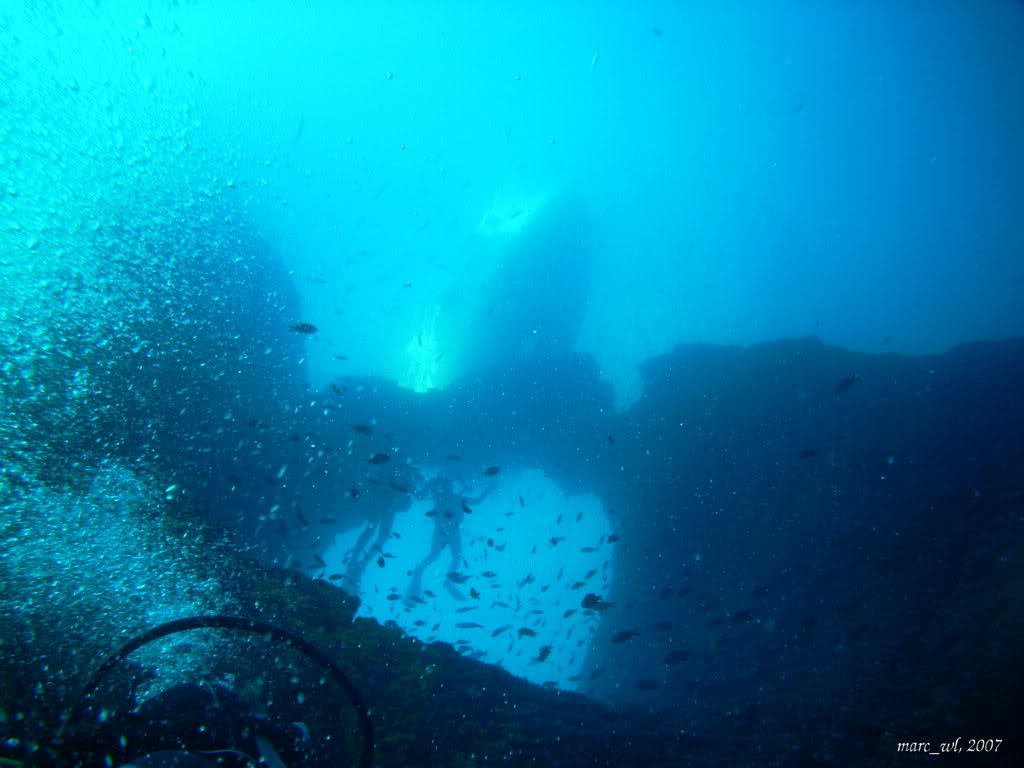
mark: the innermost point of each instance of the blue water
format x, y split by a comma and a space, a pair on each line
728, 295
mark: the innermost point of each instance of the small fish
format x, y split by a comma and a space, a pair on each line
303, 328
468, 609
327, 521
613, 537
338, 390
592, 602
625, 635
342, 358
492, 471
392, 597
579, 517
336, 576
543, 653
458, 578
428, 593
501, 629
381, 562
466, 508
588, 550
362, 429
432, 513
555, 539
526, 632
454, 457
500, 604
610, 439
488, 574
353, 493
568, 613
319, 560
844, 384
379, 458
521, 502
675, 657
578, 585
474, 594
468, 625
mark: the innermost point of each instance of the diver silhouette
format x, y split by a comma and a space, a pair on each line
448, 513
382, 503
198, 724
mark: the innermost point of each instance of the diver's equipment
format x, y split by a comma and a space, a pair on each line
192, 754
192, 719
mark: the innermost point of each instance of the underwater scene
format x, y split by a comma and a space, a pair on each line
460, 384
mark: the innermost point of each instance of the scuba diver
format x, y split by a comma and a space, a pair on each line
450, 507
382, 505
187, 725
196, 724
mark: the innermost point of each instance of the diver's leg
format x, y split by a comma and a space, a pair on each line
359, 551
359, 559
416, 582
455, 545
387, 522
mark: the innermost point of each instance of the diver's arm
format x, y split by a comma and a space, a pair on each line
477, 499
422, 491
